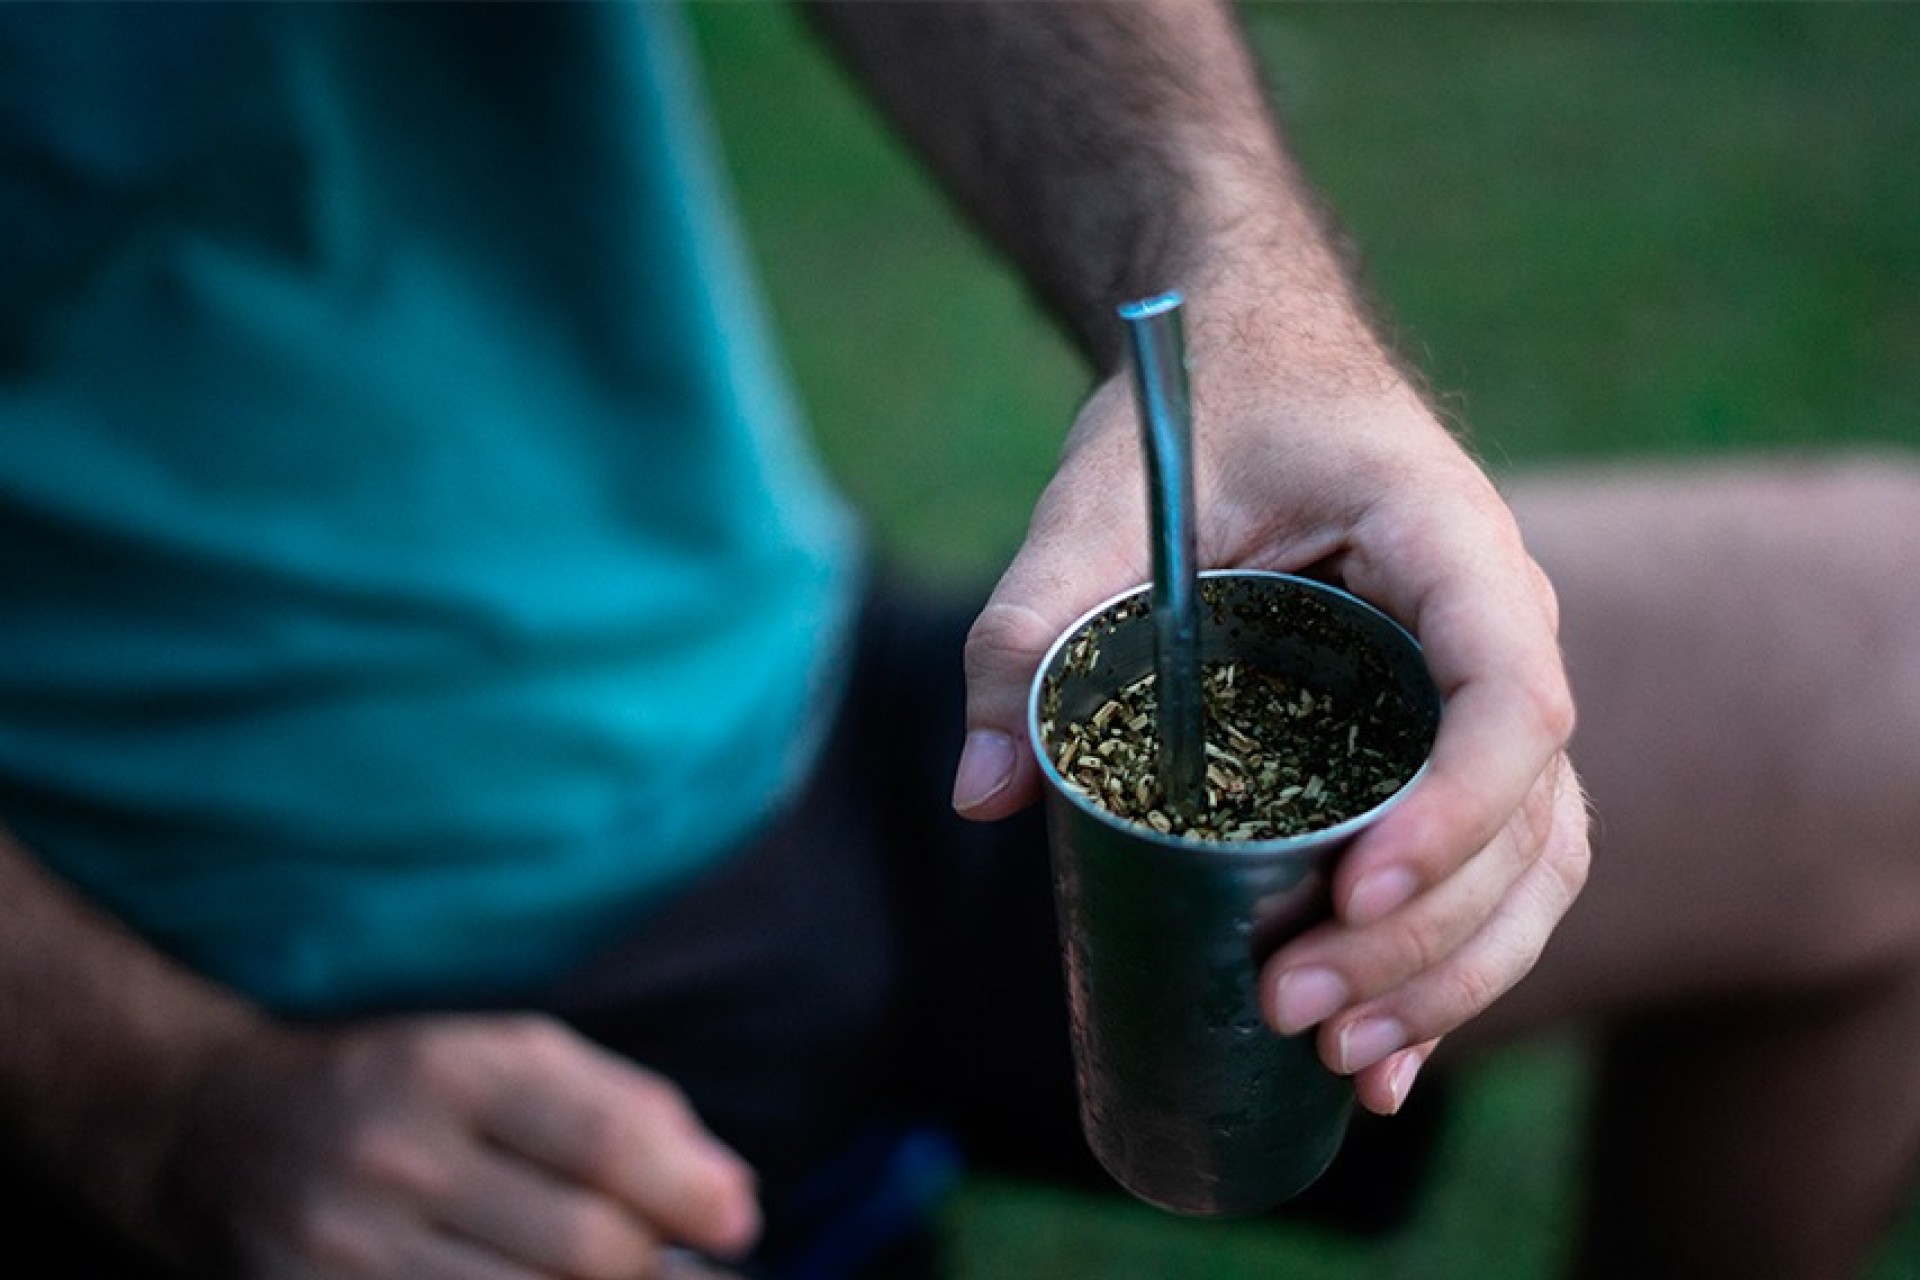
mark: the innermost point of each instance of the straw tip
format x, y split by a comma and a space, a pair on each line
1147, 308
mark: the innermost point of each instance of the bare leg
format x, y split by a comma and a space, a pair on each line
1745, 647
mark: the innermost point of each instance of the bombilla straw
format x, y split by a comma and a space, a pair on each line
1166, 425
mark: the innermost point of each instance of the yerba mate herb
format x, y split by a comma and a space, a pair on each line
1282, 759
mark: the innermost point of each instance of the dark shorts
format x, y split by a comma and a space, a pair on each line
871, 987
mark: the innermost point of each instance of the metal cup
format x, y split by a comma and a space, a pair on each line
1187, 1098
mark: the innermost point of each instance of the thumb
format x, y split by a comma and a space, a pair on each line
1086, 544
997, 774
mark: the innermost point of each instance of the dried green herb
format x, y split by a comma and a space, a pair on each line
1282, 759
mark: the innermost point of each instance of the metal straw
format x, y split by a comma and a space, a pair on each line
1166, 426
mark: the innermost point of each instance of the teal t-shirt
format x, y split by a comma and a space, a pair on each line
409, 567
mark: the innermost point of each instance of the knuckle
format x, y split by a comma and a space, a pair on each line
1513, 956
661, 1101
513, 1051
1470, 989
426, 1058
1565, 836
1551, 823
1493, 967
1539, 818
377, 1154
1549, 701
1571, 863
1419, 944
534, 1035
1003, 635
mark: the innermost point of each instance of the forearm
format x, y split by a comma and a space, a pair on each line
104, 1038
1111, 150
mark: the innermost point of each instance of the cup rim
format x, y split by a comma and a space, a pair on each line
1305, 841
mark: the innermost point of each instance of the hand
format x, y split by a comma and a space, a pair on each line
1309, 454
477, 1148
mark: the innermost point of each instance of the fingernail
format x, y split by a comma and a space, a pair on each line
1303, 997
1378, 894
1363, 1043
986, 766
1400, 1079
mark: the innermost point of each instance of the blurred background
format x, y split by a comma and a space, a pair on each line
1603, 231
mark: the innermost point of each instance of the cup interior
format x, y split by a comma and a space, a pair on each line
1314, 634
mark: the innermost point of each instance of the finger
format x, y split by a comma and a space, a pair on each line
600, 1121
1076, 555
1490, 645
442, 1257
526, 1214
1335, 966
997, 775
1494, 746
1383, 1087
1445, 995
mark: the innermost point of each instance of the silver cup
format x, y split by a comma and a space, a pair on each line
1187, 1098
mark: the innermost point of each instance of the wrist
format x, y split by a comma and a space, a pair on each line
1288, 323
207, 1157
1268, 361
125, 1150
107, 1042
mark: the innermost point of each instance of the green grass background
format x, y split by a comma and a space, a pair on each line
1602, 230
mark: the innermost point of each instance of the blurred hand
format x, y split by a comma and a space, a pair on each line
476, 1148
1310, 455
